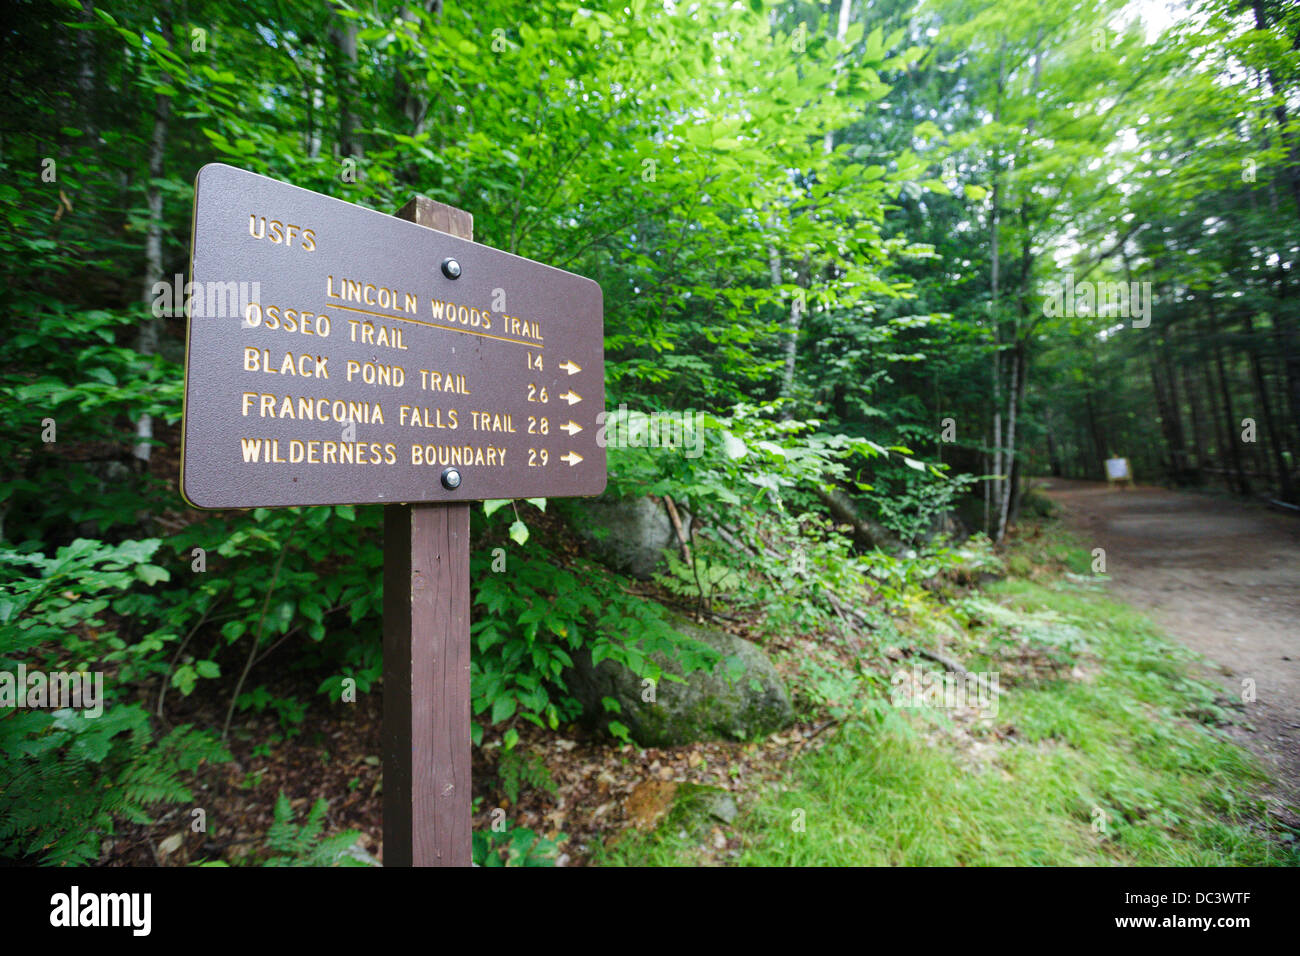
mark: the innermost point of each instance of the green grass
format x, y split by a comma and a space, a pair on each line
908, 788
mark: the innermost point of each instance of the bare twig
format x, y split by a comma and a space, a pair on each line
954, 667
171, 666
677, 526
830, 723
707, 598
267, 653
686, 553
257, 637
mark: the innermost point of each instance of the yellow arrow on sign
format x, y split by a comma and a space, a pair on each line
572, 397
572, 458
572, 427
570, 366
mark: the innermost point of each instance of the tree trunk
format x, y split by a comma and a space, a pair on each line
1276, 444
995, 218
866, 533
841, 31
1053, 457
1222, 438
86, 74
1098, 437
1199, 442
988, 493
1291, 168
150, 332
1162, 409
1013, 400
410, 100
1225, 396
1178, 436
1017, 464
343, 32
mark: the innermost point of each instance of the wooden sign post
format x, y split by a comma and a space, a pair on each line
335, 355
426, 658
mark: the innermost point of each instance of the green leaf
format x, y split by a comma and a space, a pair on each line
493, 505
284, 615
184, 678
875, 44
519, 533
151, 574
502, 708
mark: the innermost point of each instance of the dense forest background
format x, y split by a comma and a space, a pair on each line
850, 234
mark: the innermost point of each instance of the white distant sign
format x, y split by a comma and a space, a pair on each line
1117, 469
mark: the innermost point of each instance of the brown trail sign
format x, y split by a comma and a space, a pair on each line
335, 355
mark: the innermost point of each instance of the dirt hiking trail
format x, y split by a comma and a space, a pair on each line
1221, 576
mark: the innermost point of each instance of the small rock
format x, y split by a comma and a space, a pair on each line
720, 806
170, 845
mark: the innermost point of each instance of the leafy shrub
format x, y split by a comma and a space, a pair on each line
294, 844
514, 846
764, 541
908, 499
51, 607
1035, 504
539, 612
66, 777
519, 770
66, 366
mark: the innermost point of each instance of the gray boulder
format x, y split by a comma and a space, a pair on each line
629, 534
945, 524
743, 698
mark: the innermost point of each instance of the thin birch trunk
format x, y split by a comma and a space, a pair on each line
1013, 399
150, 332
